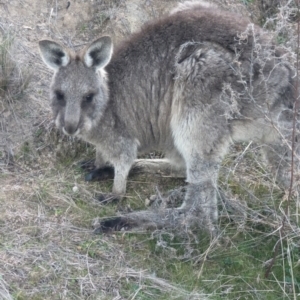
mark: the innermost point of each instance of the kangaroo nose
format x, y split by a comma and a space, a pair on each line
70, 129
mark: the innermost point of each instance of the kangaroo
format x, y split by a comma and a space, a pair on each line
189, 84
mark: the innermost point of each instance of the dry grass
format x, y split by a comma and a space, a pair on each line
13, 80
48, 249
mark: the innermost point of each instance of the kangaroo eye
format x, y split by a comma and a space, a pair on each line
89, 98
60, 97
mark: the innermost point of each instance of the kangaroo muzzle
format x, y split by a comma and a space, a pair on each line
71, 121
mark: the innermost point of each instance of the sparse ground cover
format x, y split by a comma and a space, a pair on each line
48, 249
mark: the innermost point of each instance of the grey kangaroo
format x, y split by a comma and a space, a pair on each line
189, 85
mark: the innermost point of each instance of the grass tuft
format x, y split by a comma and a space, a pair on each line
13, 80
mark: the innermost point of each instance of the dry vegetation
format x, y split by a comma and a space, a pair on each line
48, 249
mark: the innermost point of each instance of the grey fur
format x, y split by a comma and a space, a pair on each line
189, 84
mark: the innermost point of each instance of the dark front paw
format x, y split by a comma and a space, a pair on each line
100, 174
113, 224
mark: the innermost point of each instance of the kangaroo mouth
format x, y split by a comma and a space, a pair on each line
68, 133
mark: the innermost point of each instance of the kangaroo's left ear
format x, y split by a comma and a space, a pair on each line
99, 53
53, 54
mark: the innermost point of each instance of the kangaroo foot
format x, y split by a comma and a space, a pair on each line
142, 220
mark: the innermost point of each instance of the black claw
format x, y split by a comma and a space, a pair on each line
113, 224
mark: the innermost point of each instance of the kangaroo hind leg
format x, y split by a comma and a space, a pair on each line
203, 141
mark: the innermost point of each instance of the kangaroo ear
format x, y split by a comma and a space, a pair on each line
53, 54
98, 54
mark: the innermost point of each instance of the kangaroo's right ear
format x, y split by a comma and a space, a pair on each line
99, 53
53, 54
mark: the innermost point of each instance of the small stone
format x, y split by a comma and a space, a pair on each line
152, 198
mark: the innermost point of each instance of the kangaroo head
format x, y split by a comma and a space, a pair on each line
79, 92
